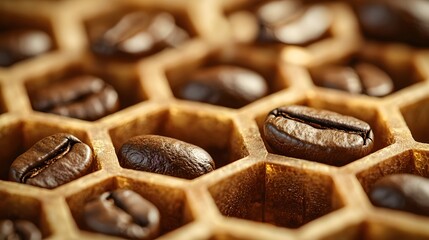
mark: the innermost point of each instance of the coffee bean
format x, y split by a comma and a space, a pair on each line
393, 20
140, 33
52, 161
19, 230
404, 192
85, 97
164, 155
375, 81
17, 45
337, 77
224, 85
122, 213
362, 78
291, 22
317, 135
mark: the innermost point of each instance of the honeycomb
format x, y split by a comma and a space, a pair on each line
254, 193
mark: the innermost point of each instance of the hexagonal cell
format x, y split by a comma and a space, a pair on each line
375, 70
232, 76
276, 194
411, 161
377, 229
214, 133
169, 201
82, 96
113, 35
18, 136
383, 229
23, 37
416, 116
334, 27
340, 104
20, 207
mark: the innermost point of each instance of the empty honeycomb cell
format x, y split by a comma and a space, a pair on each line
377, 229
123, 88
21, 207
232, 90
169, 201
23, 36
381, 229
416, 115
276, 194
215, 134
365, 112
113, 36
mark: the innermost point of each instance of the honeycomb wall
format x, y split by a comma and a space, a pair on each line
254, 193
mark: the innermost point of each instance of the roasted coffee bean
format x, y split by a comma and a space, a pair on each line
17, 45
395, 20
122, 213
361, 78
405, 192
52, 161
85, 97
164, 155
291, 22
375, 81
19, 230
317, 135
224, 85
140, 33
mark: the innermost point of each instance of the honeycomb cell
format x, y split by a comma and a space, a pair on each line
376, 228
375, 66
23, 36
170, 201
113, 36
365, 112
22, 207
410, 161
416, 115
125, 85
379, 228
280, 195
189, 78
214, 133
340, 38
20, 135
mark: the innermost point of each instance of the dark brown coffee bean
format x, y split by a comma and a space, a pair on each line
52, 161
290, 22
164, 155
140, 33
337, 77
394, 20
84, 97
317, 135
17, 45
224, 85
375, 81
19, 230
122, 213
362, 78
405, 192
